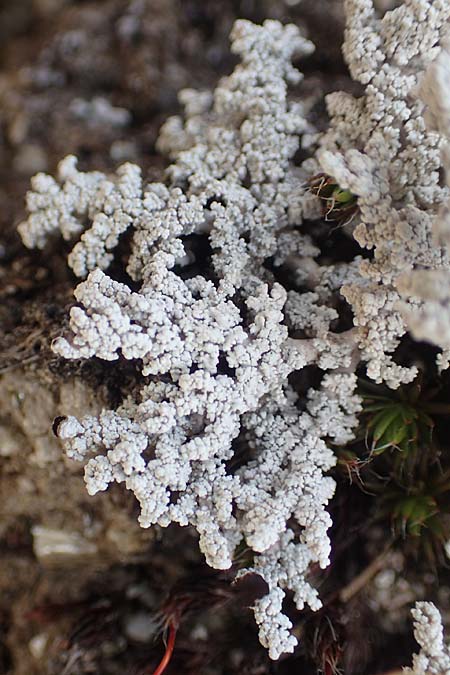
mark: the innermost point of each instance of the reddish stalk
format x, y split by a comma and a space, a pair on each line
169, 650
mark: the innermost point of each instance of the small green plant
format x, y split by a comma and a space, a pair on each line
420, 511
337, 204
412, 512
399, 460
401, 420
397, 422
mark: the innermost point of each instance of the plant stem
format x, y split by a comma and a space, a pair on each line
358, 583
169, 650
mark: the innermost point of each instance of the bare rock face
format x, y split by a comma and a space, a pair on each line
38, 482
50, 529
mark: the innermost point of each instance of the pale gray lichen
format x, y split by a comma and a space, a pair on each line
218, 354
111, 205
377, 146
434, 655
429, 319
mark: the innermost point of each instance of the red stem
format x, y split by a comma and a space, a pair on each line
169, 650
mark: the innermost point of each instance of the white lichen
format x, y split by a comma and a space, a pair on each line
434, 655
430, 320
377, 146
218, 354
